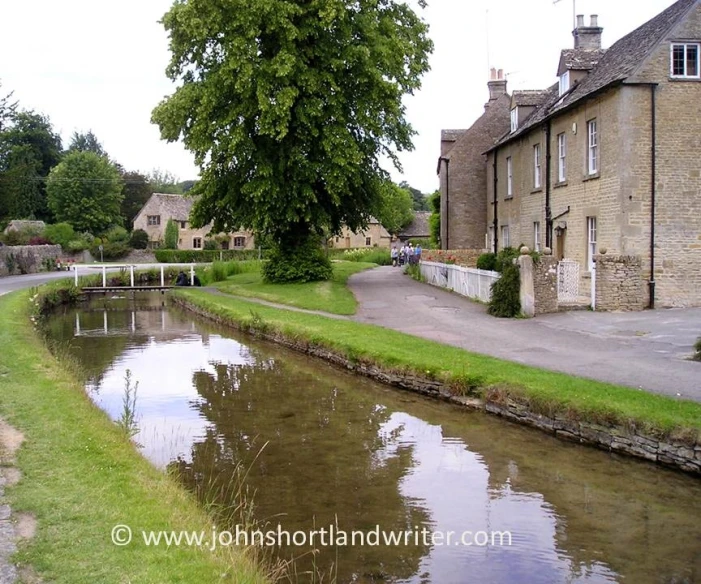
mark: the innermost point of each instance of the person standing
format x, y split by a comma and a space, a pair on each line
395, 256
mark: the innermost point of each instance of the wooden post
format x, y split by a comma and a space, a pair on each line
162, 280
192, 274
75, 269
131, 274
104, 276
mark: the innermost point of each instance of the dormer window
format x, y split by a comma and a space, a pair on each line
514, 119
685, 60
564, 82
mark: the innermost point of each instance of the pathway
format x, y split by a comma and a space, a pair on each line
645, 350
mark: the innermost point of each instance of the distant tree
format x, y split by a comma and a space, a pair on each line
137, 190
139, 239
186, 185
170, 238
87, 142
163, 181
434, 221
7, 110
420, 201
85, 190
395, 208
61, 234
289, 108
29, 148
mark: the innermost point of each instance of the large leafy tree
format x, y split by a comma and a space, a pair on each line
420, 201
29, 148
163, 181
86, 142
288, 107
137, 190
395, 208
85, 190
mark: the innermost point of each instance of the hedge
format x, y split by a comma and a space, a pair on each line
187, 256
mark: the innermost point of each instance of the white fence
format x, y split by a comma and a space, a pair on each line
468, 282
567, 281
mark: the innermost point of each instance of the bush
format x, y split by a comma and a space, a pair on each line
187, 256
305, 263
38, 240
210, 244
487, 261
139, 239
505, 258
77, 245
170, 239
60, 234
116, 234
375, 255
505, 302
217, 272
111, 250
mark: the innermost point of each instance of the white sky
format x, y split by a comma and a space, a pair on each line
91, 64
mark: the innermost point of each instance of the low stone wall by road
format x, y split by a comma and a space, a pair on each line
619, 283
667, 452
545, 285
462, 257
26, 259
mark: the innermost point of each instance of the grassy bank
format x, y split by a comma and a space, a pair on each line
467, 373
332, 296
82, 476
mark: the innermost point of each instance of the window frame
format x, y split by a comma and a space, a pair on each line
505, 237
241, 239
536, 236
183, 225
514, 119
509, 177
686, 46
564, 83
592, 147
153, 220
562, 157
591, 241
537, 167
368, 241
195, 241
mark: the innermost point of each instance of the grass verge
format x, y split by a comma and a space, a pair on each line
82, 476
331, 296
543, 391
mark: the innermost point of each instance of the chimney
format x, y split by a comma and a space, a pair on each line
587, 37
497, 84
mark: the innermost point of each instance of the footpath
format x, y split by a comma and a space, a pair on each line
647, 350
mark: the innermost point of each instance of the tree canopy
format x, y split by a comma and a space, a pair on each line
137, 190
420, 201
288, 108
86, 142
85, 190
395, 208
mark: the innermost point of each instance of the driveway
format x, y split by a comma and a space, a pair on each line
646, 350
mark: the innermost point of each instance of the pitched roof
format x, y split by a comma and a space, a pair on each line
615, 65
418, 227
451, 135
580, 59
176, 207
22, 224
529, 97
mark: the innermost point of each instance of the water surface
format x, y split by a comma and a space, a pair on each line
323, 447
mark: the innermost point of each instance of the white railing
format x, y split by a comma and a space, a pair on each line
131, 267
470, 282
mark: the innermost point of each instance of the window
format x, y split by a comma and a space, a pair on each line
153, 219
561, 157
536, 236
509, 177
685, 60
591, 242
593, 147
564, 82
197, 243
368, 241
183, 224
505, 236
536, 166
514, 119
239, 241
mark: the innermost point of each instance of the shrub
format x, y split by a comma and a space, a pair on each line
305, 263
375, 255
170, 238
505, 258
139, 239
38, 240
116, 234
60, 234
487, 261
111, 250
210, 244
217, 272
77, 245
505, 302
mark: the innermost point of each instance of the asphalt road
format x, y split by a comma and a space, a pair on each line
647, 350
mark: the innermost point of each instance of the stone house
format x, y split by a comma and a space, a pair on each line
374, 236
418, 229
160, 208
462, 170
609, 157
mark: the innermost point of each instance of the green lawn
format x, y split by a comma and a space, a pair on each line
544, 391
332, 296
82, 476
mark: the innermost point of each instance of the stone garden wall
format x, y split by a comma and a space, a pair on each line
460, 257
619, 283
545, 284
26, 259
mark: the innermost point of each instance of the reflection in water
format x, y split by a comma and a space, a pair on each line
342, 450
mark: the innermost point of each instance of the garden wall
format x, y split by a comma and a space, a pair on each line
26, 259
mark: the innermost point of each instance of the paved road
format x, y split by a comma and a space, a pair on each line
647, 350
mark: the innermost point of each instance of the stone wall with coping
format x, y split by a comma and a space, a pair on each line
28, 258
614, 438
619, 283
461, 257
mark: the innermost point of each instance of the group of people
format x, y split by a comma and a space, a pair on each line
407, 254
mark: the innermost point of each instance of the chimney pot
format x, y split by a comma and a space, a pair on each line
497, 84
500, 74
492, 74
594, 20
580, 20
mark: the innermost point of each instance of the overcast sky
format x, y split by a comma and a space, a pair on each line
91, 64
